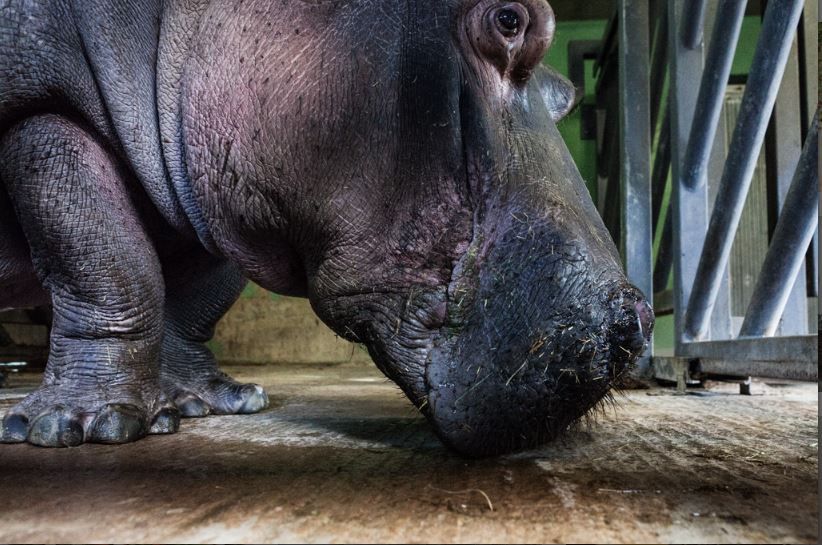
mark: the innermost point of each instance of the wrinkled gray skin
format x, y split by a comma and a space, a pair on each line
396, 162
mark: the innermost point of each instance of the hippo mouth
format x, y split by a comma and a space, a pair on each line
398, 328
486, 397
490, 398
487, 385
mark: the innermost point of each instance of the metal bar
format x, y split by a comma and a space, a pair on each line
783, 148
809, 91
689, 208
799, 348
721, 326
659, 61
712, 90
693, 24
662, 167
607, 38
781, 18
791, 370
635, 147
808, 52
664, 256
813, 266
796, 227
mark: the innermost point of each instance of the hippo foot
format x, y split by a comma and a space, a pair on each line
55, 416
214, 394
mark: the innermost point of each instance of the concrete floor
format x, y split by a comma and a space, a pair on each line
342, 457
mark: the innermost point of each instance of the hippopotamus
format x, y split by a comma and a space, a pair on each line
398, 163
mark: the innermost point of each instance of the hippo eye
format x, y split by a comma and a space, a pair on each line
508, 21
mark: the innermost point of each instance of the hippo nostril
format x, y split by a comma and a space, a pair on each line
633, 323
633, 338
645, 315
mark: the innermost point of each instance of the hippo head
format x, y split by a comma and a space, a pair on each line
399, 163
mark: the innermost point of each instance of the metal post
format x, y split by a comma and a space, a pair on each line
693, 22
781, 18
712, 90
721, 320
809, 87
784, 146
808, 62
635, 147
689, 208
796, 227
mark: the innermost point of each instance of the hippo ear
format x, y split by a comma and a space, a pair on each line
557, 91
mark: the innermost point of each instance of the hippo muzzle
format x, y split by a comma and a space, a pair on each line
541, 333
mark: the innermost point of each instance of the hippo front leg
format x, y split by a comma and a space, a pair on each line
199, 291
92, 254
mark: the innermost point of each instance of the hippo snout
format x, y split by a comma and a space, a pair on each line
488, 399
533, 355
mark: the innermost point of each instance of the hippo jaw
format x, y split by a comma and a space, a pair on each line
399, 330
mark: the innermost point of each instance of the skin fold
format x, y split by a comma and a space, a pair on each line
397, 163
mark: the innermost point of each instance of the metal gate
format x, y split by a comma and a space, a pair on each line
710, 178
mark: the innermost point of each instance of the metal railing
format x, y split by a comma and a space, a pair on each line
779, 102
778, 30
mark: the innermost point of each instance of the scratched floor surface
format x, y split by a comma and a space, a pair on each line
341, 457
